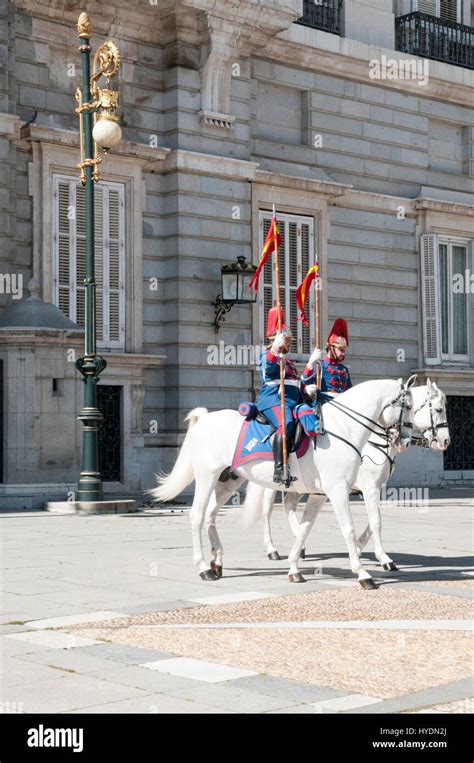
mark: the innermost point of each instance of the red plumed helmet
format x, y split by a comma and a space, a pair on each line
272, 321
339, 334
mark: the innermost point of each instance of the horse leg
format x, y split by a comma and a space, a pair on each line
219, 496
267, 502
291, 506
311, 511
363, 538
372, 504
340, 502
202, 494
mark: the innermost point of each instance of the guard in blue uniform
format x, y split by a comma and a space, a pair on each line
335, 376
269, 399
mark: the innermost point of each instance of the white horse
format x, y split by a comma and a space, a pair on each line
326, 471
426, 413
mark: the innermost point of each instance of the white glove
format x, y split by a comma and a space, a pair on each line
312, 392
317, 355
278, 343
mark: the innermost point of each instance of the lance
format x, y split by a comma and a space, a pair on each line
316, 327
282, 362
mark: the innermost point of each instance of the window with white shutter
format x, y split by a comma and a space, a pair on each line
295, 256
70, 252
444, 264
430, 294
449, 10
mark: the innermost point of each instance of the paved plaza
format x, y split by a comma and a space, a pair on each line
107, 614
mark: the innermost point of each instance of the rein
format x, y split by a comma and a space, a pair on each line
384, 433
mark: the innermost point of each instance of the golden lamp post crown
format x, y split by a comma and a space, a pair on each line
101, 103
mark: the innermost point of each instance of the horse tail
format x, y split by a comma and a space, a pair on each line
182, 473
253, 505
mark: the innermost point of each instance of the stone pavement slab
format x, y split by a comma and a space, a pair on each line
66, 692
199, 670
239, 700
54, 639
348, 702
85, 617
443, 693
153, 704
286, 689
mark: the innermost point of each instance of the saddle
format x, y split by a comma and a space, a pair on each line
251, 412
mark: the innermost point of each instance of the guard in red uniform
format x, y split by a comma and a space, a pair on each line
335, 376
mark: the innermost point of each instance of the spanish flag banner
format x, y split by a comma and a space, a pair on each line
303, 291
268, 247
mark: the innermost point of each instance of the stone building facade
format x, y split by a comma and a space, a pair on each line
356, 124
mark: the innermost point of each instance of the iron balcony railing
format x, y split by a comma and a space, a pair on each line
432, 37
323, 14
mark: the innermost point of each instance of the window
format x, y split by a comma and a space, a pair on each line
460, 415
445, 274
449, 10
70, 256
295, 256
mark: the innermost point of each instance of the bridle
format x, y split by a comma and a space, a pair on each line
386, 433
433, 428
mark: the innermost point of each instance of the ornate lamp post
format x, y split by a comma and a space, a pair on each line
99, 129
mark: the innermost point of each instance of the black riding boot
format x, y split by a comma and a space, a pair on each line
278, 458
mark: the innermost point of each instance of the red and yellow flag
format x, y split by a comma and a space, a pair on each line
303, 290
268, 247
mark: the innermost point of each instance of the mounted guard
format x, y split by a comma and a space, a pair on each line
269, 400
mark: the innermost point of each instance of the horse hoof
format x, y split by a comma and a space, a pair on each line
298, 578
217, 570
303, 553
390, 566
368, 583
274, 556
208, 575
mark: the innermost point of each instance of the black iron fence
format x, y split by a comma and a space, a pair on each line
323, 14
432, 37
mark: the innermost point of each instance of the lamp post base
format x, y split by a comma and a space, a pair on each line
91, 507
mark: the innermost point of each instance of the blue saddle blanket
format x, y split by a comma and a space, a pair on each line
251, 448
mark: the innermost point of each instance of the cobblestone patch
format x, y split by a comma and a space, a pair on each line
375, 663
336, 604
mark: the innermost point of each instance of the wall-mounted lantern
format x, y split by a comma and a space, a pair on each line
235, 279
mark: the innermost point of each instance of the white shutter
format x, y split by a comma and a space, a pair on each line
448, 10
430, 299
70, 257
79, 255
295, 257
99, 214
114, 270
427, 6
266, 291
62, 241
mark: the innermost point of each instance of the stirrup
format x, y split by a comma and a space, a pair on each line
279, 479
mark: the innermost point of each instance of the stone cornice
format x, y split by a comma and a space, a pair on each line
132, 360
16, 336
207, 164
446, 372
375, 202
320, 52
33, 133
446, 207
328, 188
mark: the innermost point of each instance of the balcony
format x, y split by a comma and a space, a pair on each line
323, 14
435, 38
